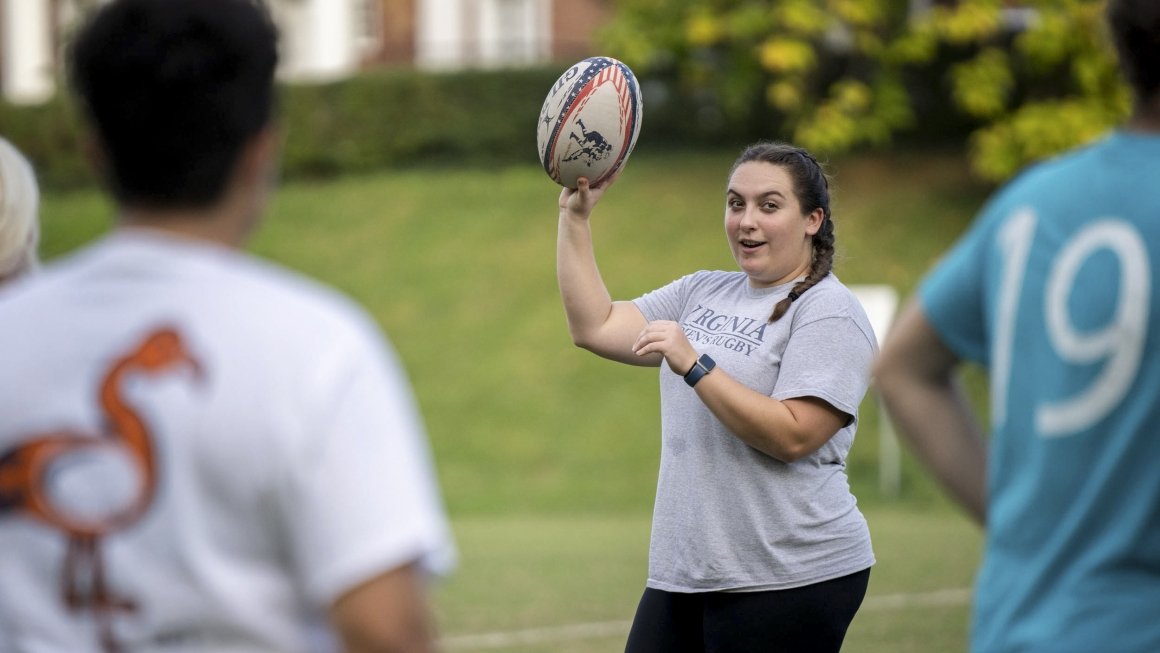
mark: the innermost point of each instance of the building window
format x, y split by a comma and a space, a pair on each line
511, 32
368, 26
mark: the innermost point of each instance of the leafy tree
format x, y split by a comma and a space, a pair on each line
1030, 77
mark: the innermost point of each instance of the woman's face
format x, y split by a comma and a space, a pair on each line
771, 239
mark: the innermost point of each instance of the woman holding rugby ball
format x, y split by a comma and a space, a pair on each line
757, 542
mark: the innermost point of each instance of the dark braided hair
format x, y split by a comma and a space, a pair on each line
812, 189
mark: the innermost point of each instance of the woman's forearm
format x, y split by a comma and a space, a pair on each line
587, 302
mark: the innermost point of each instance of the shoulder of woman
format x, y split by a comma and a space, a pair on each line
831, 296
834, 300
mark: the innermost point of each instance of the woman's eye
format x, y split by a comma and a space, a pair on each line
769, 206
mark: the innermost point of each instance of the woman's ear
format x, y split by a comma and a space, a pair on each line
814, 221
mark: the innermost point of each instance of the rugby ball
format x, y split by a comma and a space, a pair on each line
589, 122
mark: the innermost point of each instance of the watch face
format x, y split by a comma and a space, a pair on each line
700, 369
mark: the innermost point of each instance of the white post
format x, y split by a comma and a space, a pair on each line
880, 303
28, 75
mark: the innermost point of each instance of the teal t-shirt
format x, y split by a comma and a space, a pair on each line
1052, 289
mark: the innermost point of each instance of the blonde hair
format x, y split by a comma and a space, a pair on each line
19, 209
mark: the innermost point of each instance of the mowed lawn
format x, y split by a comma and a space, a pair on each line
547, 456
569, 583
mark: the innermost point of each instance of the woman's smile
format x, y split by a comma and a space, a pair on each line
750, 246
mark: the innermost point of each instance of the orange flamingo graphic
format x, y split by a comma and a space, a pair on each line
31, 475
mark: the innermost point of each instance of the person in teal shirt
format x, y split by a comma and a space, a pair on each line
1052, 290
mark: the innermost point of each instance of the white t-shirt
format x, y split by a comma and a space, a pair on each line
290, 460
729, 517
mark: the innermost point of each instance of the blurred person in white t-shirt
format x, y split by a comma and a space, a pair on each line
200, 450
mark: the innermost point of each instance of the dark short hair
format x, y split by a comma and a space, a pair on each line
1135, 30
173, 90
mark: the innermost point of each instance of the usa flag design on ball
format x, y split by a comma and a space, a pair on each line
590, 121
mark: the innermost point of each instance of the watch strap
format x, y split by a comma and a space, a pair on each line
703, 366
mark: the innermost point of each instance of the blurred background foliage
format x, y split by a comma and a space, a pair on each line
376, 120
1012, 82
1024, 79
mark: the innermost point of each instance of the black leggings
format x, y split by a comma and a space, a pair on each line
810, 619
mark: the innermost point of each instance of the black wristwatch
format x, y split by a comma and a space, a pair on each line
703, 366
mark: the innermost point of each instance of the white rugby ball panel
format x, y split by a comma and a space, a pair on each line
590, 121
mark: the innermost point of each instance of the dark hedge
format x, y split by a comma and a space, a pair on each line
392, 118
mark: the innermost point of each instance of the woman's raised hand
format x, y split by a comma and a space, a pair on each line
580, 201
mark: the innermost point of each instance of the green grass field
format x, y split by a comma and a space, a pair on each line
569, 583
547, 456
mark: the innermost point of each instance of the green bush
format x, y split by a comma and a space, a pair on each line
371, 121
49, 135
393, 118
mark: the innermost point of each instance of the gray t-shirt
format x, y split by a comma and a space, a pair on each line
727, 516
